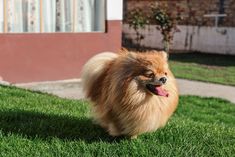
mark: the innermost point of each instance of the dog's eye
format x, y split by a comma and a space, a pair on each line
165, 73
149, 74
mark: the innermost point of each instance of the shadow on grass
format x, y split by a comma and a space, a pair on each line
203, 58
45, 126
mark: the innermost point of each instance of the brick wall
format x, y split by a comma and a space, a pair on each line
192, 11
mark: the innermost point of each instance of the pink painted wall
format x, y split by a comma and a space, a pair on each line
55, 56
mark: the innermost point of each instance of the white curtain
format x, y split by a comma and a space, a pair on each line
49, 16
52, 15
1, 16
33, 15
22, 16
64, 15
84, 15
89, 15
14, 16
100, 13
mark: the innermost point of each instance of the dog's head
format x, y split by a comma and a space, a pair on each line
146, 72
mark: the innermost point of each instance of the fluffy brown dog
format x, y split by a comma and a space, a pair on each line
131, 93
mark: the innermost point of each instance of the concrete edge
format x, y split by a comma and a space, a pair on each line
48, 82
4, 83
75, 80
203, 82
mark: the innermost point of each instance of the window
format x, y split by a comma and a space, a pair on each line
34, 16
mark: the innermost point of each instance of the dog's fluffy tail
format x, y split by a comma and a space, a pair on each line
94, 68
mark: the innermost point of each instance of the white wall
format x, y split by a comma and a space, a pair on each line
190, 38
114, 9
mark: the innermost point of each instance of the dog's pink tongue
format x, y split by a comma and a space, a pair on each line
161, 91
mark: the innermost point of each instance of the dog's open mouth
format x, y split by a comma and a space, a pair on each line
157, 90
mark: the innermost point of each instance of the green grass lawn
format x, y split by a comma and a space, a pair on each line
204, 67
35, 124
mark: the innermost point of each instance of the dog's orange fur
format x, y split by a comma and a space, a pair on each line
121, 104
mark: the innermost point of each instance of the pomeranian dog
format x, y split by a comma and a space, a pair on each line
131, 92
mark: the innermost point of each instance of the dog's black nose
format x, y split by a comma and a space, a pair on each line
163, 79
